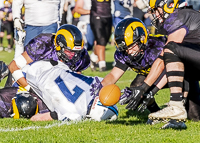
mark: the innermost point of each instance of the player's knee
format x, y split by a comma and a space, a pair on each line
170, 58
170, 47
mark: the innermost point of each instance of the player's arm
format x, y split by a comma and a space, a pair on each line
113, 76
79, 8
43, 117
16, 8
177, 36
16, 66
156, 69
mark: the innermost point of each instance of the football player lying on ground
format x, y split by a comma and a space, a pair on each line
66, 93
26, 105
65, 45
180, 59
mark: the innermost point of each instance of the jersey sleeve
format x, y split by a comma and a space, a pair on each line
175, 21
41, 47
120, 61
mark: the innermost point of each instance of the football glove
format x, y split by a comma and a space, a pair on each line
126, 94
135, 99
147, 98
95, 88
18, 23
19, 36
4, 71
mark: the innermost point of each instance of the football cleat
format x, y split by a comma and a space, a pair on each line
102, 69
174, 125
153, 122
4, 71
93, 66
175, 110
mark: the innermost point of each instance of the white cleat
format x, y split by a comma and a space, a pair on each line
175, 110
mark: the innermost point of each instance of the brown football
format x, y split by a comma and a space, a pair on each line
109, 95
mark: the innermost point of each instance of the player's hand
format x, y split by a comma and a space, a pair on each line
19, 36
146, 101
18, 23
126, 94
135, 98
95, 88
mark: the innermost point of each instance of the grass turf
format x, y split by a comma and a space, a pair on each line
130, 126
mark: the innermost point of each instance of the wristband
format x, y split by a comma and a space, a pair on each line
27, 87
17, 74
20, 61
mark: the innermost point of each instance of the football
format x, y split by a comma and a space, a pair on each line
109, 95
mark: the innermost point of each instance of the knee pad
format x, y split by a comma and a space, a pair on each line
171, 46
170, 58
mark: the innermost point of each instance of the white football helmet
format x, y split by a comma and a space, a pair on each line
99, 112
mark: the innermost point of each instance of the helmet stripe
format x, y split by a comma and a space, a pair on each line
15, 109
128, 35
170, 10
68, 37
152, 3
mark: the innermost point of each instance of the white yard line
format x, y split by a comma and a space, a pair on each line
36, 127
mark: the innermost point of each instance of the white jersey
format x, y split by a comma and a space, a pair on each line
62, 90
86, 6
38, 12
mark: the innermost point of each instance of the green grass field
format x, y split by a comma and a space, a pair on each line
130, 126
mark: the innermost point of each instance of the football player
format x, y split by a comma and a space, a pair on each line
61, 104
137, 50
101, 25
66, 93
65, 45
180, 57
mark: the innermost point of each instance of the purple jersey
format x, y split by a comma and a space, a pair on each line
188, 19
101, 8
151, 52
6, 11
42, 47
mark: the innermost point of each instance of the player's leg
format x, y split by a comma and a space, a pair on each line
101, 28
8, 29
174, 56
90, 38
1, 37
31, 32
50, 28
